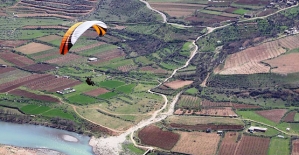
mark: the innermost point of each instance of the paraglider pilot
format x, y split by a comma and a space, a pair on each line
89, 82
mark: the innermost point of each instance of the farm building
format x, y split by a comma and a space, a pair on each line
4, 66
257, 129
92, 59
66, 91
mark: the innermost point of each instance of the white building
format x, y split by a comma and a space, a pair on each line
92, 59
255, 128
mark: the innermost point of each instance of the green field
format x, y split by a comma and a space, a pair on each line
26, 109
279, 146
133, 149
240, 11
99, 49
107, 95
126, 88
188, 102
58, 113
110, 84
81, 99
192, 91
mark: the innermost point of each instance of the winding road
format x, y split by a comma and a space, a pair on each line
112, 145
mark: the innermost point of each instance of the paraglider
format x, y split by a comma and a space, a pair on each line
89, 82
75, 31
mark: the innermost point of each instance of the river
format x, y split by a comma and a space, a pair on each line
35, 136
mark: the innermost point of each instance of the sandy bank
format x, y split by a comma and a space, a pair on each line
69, 138
13, 150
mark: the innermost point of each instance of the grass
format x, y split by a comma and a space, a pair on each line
279, 146
105, 120
26, 109
110, 84
81, 99
211, 12
240, 11
296, 118
254, 116
143, 60
168, 66
40, 110
133, 149
192, 91
126, 88
107, 95
99, 49
193, 120
58, 113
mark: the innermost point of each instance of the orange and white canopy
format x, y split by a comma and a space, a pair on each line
75, 31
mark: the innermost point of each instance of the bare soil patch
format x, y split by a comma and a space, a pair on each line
204, 127
221, 111
16, 59
127, 68
229, 143
33, 48
97, 92
290, 116
176, 9
6, 69
251, 145
178, 84
28, 94
295, 147
248, 60
285, 64
197, 143
154, 136
49, 38
39, 67
274, 115
12, 43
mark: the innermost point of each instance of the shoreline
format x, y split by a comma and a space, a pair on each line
11, 149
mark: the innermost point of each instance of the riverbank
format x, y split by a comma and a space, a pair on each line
14, 150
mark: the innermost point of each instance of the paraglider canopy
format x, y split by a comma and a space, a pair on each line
75, 31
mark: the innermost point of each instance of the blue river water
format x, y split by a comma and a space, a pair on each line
34, 136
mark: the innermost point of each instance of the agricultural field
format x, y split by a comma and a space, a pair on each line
96, 92
33, 47
194, 120
12, 44
177, 84
68, 59
11, 74
284, 64
49, 38
41, 67
154, 136
110, 84
153, 70
279, 146
197, 143
222, 111
18, 60
27, 94
229, 143
295, 147
81, 99
249, 60
290, 117
105, 120
274, 115
177, 10
188, 102
251, 145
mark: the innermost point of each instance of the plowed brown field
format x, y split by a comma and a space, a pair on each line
178, 84
197, 143
176, 9
154, 136
251, 145
295, 147
285, 64
229, 143
33, 48
97, 92
249, 60
274, 115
